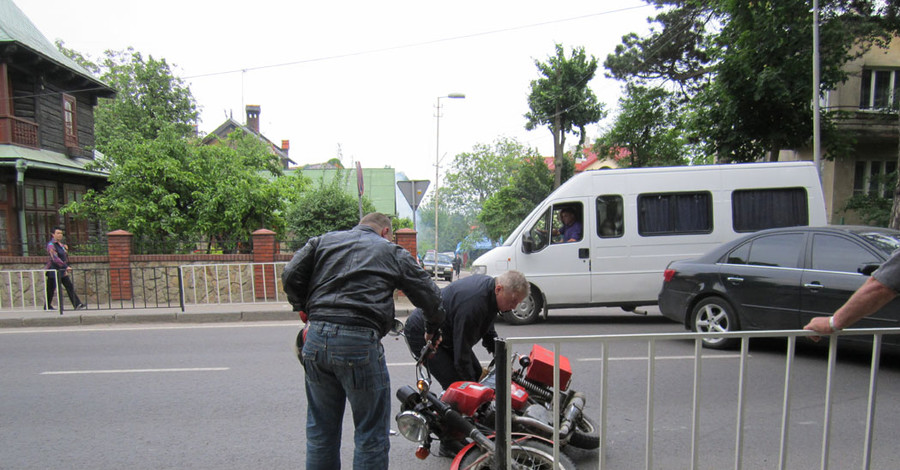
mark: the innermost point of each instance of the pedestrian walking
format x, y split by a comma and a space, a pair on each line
59, 271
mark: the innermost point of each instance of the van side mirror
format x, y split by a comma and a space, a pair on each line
867, 268
527, 243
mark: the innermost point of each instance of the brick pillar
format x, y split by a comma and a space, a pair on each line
406, 237
119, 249
265, 280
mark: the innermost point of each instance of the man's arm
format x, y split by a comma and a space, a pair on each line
420, 289
868, 299
297, 274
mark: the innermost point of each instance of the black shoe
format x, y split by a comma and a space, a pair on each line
81, 307
49, 308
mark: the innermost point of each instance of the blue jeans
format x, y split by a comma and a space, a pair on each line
346, 363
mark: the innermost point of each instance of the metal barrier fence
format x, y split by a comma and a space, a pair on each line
120, 288
204, 284
695, 458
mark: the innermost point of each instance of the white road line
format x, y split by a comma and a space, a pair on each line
131, 327
134, 371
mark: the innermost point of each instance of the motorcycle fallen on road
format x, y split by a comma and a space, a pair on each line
425, 417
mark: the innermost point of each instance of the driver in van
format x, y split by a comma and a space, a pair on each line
571, 229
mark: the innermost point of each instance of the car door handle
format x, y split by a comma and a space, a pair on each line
734, 279
813, 285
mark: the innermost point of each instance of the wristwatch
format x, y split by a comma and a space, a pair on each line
831, 324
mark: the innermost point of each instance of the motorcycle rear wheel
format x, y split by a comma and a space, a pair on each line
525, 455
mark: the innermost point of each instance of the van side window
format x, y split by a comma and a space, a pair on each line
674, 213
568, 225
539, 233
610, 216
758, 209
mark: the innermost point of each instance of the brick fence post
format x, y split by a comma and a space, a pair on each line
265, 281
119, 249
406, 237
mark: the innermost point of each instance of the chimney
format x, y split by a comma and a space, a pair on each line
285, 146
253, 117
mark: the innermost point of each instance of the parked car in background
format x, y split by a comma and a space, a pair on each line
444, 265
778, 279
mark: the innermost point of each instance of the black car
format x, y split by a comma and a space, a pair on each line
777, 279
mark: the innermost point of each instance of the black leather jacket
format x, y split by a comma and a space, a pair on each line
349, 277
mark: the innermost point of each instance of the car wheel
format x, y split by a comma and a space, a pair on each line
526, 312
715, 315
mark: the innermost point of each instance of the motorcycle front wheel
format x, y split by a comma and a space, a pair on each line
586, 435
526, 455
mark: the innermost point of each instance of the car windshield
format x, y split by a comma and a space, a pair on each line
442, 259
885, 242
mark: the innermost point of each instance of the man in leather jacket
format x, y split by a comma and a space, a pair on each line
472, 304
344, 282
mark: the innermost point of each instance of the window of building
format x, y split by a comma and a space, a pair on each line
674, 213
880, 89
70, 126
41, 212
875, 177
758, 209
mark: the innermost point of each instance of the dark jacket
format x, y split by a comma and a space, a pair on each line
349, 278
471, 307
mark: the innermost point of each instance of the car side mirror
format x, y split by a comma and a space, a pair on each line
867, 268
527, 243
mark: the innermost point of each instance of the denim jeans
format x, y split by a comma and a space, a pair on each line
346, 363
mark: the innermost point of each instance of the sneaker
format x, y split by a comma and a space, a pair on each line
81, 307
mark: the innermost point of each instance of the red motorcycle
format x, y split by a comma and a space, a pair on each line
424, 417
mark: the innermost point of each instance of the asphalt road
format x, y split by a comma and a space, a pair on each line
229, 396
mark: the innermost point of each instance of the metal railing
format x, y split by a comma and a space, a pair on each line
235, 283
605, 341
119, 288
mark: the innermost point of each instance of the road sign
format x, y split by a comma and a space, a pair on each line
413, 191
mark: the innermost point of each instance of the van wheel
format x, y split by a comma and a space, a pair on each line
715, 315
526, 312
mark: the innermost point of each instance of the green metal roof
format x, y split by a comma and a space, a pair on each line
16, 27
46, 160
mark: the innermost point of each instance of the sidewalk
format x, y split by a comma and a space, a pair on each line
208, 313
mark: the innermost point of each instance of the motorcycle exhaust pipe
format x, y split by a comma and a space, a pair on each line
572, 413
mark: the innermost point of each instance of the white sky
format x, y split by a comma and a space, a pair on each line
364, 75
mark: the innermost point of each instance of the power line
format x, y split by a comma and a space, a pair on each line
416, 44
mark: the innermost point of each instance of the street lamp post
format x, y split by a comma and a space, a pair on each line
437, 167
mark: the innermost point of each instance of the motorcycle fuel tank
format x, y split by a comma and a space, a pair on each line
540, 369
466, 397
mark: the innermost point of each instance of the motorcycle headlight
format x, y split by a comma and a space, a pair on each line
412, 426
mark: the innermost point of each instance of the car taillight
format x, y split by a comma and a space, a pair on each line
668, 275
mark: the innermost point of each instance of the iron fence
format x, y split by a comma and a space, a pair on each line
858, 430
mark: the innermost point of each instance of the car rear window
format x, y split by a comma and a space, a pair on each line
774, 250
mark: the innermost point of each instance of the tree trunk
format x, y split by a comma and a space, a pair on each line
558, 141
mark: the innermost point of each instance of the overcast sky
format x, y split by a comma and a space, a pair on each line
362, 75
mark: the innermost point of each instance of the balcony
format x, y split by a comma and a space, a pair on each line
18, 131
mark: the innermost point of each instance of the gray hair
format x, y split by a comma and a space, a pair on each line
515, 282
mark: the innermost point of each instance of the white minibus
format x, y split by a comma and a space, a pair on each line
635, 221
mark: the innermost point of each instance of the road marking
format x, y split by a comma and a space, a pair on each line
130, 327
134, 371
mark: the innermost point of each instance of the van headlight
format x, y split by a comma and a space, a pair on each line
479, 269
412, 426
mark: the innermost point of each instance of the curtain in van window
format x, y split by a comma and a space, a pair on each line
758, 209
670, 214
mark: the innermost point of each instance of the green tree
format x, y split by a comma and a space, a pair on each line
474, 176
530, 183
563, 100
650, 127
744, 67
324, 208
397, 223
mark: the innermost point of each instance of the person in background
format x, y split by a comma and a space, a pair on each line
59, 271
343, 283
876, 292
457, 264
571, 228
